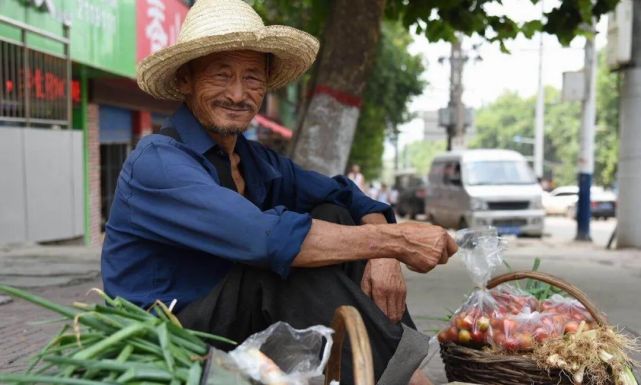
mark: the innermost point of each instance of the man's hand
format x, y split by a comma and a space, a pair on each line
421, 246
383, 281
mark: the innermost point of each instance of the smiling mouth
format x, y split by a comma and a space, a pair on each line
235, 109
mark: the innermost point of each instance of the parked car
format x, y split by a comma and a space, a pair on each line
485, 188
560, 200
603, 204
411, 201
412, 191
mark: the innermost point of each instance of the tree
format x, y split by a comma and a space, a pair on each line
501, 123
349, 40
510, 116
394, 80
606, 157
419, 154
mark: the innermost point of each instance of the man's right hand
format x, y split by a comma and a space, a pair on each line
421, 246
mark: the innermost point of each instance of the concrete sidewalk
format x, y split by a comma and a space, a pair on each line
612, 279
31, 266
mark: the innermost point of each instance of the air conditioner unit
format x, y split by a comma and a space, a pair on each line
619, 48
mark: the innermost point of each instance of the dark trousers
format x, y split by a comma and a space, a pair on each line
248, 300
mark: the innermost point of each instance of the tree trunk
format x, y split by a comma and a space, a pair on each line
347, 56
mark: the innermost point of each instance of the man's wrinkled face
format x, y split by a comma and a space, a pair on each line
225, 90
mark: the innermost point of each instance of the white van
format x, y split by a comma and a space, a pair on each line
485, 188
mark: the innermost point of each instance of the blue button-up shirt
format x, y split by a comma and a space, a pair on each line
174, 231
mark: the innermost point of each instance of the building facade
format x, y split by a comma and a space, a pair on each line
70, 110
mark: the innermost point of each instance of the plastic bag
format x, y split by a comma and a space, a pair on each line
282, 355
513, 300
567, 313
481, 252
521, 331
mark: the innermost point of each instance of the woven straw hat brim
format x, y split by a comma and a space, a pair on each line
294, 51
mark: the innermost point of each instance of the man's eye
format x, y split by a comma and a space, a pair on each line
222, 76
254, 80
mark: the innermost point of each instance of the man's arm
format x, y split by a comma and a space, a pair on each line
383, 280
420, 246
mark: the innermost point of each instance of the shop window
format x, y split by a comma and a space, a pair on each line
33, 88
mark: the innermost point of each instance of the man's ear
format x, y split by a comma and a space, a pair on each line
183, 79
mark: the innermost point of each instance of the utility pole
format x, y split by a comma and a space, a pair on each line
539, 124
586, 152
628, 213
455, 132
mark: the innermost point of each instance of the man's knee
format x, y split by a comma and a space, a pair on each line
332, 213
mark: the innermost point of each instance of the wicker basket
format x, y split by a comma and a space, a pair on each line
485, 367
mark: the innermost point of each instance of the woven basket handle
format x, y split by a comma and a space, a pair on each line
552, 280
347, 320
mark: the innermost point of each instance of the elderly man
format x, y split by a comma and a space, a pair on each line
238, 237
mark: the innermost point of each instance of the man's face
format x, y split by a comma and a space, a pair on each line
225, 90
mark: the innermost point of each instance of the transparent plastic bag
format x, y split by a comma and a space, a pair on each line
567, 313
481, 252
519, 332
513, 300
282, 355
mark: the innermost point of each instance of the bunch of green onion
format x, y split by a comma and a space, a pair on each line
115, 343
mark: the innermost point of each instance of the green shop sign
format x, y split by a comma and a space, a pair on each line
103, 32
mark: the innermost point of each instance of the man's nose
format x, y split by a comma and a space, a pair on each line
236, 90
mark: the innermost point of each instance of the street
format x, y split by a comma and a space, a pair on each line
612, 279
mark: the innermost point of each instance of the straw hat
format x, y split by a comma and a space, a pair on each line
227, 25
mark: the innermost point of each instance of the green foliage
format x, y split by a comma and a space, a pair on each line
439, 19
509, 116
308, 15
419, 155
606, 155
394, 80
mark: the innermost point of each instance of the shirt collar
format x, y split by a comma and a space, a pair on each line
191, 131
258, 172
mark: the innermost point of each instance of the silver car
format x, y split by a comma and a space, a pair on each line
475, 188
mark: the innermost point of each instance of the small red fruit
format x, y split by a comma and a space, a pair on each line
540, 334
467, 322
511, 344
464, 336
525, 341
442, 336
483, 323
509, 326
479, 337
452, 334
571, 327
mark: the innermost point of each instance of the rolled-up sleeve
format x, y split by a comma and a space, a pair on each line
172, 199
313, 188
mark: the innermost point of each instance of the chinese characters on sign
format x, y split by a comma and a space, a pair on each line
158, 24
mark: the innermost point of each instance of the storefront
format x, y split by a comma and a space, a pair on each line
70, 109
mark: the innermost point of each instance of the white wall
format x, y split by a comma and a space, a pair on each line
41, 184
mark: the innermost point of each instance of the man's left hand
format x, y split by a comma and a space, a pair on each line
383, 281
